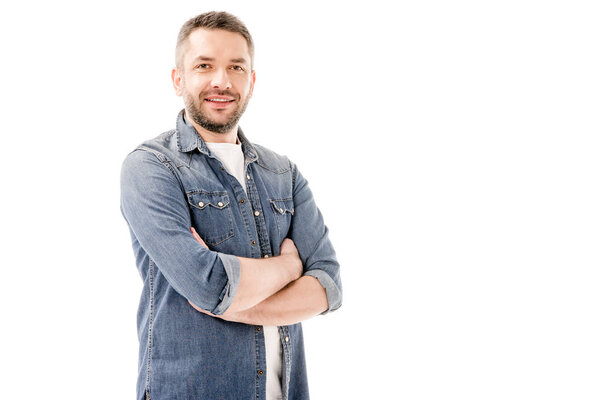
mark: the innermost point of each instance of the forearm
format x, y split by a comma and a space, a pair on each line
300, 300
261, 278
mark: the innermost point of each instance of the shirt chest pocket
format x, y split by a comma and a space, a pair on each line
283, 209
211, 215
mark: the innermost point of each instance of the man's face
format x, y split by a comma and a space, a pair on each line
215, 78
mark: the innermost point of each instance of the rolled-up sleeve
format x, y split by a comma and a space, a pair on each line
311, 237
155, 208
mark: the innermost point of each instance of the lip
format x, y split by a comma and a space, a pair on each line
218, 97
221, 101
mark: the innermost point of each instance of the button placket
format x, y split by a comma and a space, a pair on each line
260, 359
287, 360
259, 219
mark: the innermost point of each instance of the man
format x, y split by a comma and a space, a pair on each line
230, 245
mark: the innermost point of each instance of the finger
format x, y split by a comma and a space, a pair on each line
288, 247
284, 245
201, 310
288, 244
198, 238
195, 234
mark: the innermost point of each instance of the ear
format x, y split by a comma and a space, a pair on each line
176, 77
252, 80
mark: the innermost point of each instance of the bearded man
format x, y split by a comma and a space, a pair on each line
231, 247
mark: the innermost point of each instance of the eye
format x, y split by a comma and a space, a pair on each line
202, 66
237, 68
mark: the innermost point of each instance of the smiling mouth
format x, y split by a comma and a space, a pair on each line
219, 100
219, 103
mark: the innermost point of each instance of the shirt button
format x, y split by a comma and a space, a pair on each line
261, 372
220, 204
248, 177
242, 201
201, 204
253, 242
257, 213
258, 329
266, 256
287, 339
281, 210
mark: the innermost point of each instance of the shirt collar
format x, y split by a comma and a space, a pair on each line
189, 140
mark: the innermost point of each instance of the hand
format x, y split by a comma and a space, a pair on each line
201, 310
289, 251
197, 237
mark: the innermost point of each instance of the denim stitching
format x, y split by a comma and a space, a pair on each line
225, 206
182, 164
283, 332
221, 196
257, 356
164, 161
150, 323
279, 215
276, 171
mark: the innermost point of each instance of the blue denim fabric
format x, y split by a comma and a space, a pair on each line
173, 182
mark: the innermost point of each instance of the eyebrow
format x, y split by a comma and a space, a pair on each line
240, 60
203, 58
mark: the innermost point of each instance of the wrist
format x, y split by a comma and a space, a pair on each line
243, 317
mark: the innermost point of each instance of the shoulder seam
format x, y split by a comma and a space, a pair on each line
163, 160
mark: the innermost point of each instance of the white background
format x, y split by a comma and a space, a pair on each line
452, 147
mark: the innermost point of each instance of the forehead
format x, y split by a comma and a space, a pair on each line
217, 44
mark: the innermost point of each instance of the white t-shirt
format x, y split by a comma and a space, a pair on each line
232, 158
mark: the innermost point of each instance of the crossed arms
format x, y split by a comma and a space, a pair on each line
299, 283
272, 291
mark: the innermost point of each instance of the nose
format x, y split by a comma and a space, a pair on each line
220, 79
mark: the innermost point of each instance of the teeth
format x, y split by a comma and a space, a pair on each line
219, 100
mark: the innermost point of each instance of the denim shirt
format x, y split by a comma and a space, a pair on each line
172, 183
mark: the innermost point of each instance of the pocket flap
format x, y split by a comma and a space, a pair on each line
201, 200
283, 206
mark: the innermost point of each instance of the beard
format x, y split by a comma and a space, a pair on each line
194, 111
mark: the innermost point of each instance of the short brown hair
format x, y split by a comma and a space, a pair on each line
212, 20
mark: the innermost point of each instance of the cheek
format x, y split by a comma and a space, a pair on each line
195, 84
245, 87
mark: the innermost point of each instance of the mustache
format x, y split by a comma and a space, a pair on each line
218, 93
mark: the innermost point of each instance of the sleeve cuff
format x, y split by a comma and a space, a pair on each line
334, 295
232, 267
